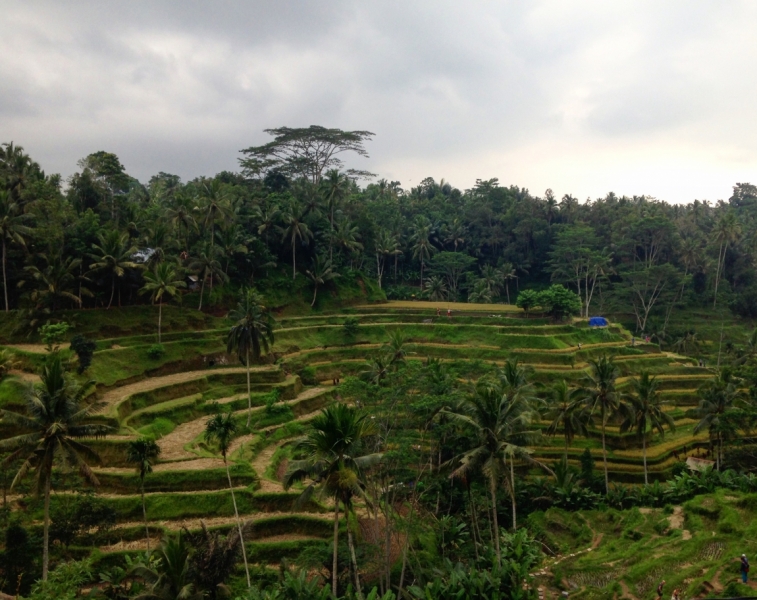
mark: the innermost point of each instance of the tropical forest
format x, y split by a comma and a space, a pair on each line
300, 380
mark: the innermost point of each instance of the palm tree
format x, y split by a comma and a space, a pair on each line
294, 229
113, 256
268, 217
214, 203
55, 421
500, 422
422, 246
456, 233
333, 466
386, 245
162, 281
230, 242
335, 188
220, 430
56, 282
206, 265
251, 334
142, 453
436, 288
645, 410
601, 396
718, 398
506, 273
181, 216
13, 229
170, 578
346, 237
396, 347
567, 413
727, 231
320, 273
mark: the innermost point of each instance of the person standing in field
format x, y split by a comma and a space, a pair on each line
659, 589
744, 568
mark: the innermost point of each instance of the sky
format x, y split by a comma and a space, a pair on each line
582, 97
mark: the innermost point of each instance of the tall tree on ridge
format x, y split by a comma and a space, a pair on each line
142, 453
162, 281
601, 396
13, 229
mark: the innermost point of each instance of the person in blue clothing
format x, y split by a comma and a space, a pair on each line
744, 568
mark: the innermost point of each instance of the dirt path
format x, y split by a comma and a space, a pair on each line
114, 396
139, 545
173, 445
260, 464
24, 376
35, 348
194, 523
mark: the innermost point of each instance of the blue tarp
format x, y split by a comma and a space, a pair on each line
597, 322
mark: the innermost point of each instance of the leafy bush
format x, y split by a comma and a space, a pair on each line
52, 334
308, 375
527, 300
64, 582
351, 326
156, 351
559, 301
85, 350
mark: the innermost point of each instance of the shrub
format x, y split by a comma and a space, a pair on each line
527, 299
85, 349
351, 326
308, 375
156, 351
559, 301
52, 334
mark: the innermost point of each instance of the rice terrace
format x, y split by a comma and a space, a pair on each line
246, 357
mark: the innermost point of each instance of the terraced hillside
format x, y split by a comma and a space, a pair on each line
170, 398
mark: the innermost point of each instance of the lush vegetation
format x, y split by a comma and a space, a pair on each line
240, 413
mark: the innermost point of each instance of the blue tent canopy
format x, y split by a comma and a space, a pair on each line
597, 322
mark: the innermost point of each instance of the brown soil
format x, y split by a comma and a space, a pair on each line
194, 523
114, 396
676, 519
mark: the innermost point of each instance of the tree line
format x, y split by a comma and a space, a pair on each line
98, 237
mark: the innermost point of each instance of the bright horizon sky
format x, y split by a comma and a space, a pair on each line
583, 97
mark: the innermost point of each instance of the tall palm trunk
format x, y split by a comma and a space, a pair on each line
644, 452
421, 273
493, 490
604, 454
721, 259
46, 530
239, 524
112, 291
160, 317
5, 280
294, 261
144, 514
334, 563
353, 558
249, 393
512, 491
202, 291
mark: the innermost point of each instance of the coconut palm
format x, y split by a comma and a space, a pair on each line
169, 579
568, 413
55, 283
162, 281
436, 288
55, 421
644, 410
251, 336
718, 399
422, 246
214, 203
180, 216
230, 241
320, 273
602, 397
334, 467
112, 256
294, 229
335, 187
386, 245
13, 230
220, 430
142, 453
726, 232
206, 265
500, 422
346, 237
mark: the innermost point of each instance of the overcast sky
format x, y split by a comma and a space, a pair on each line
583, 97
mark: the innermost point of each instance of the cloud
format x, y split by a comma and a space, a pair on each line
583, 97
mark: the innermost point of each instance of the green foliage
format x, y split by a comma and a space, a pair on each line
308, 375
64, 582
559, 302
351, 326
85, 350
156, 351
527, 299
52, 334
80, 514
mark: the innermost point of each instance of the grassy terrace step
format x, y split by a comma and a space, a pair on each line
242, 475
198, 504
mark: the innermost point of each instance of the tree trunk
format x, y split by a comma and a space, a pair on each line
604, 456
507, 290
239, 524
717, 274
315, 292
421, 274
476, 532
46, 530
512, 491
249, 393
566, 447
112, 290
5, 280
202, 292
644, 451
144, 515
351, 544
294, 261
160, 317
334, 561
493, 490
